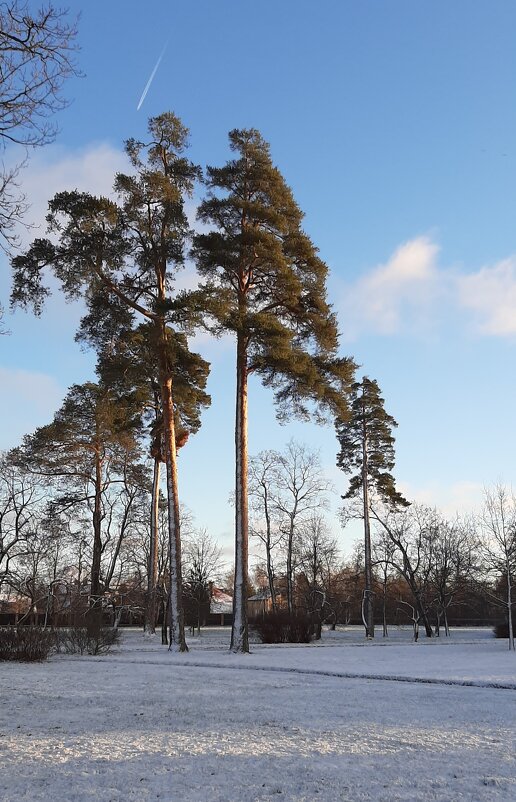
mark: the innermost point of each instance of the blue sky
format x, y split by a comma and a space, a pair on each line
394, 122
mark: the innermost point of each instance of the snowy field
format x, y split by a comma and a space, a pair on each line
343, 720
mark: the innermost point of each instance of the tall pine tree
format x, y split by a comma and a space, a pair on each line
367, 451
127, 363
268, 288
131, 249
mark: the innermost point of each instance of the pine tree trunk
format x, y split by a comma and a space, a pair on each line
368, 601
152, 573
239, 632
165, 604
177, 640
94, 617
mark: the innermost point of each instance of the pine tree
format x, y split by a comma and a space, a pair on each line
267, 287
367, 447
130, 249
126, 362
91, 444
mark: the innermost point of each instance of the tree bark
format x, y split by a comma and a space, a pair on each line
94, 616
239, 632
152, 572
290, 568
270, 577
384, 610
368, 591
422, 614
177, 641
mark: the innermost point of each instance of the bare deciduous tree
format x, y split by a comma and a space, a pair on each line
454, 562
202, 563
302, 488
498, 548
318, 554
264, 521
413, 532
21, 498
383, 550
37, 55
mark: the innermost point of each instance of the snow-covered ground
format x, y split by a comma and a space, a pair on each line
343, 720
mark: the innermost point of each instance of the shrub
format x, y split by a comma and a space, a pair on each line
281, 627
26, 644
501, 630
78, 640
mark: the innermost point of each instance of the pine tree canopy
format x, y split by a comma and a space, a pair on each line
265, 280
130, 247
93, 422
368, 432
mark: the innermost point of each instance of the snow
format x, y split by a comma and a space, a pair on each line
344, 720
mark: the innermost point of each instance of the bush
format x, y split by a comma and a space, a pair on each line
26, 644
281, 627
501, 630
78, 640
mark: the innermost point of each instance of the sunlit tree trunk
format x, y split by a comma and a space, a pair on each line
177, 640
239, 633
152, 573
368, 590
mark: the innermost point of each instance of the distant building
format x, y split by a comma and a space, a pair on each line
261, 603
221, 607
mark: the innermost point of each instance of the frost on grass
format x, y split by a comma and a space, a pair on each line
143, 725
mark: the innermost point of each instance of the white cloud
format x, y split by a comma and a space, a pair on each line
410, 293
396, 295
91, 169
54, 169
27, 400
463, 497
491, 293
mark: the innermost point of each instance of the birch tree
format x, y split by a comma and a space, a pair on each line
131, 249
267, 288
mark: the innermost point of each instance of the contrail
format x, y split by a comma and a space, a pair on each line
153, 73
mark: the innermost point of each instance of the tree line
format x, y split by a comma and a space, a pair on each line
413, 565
